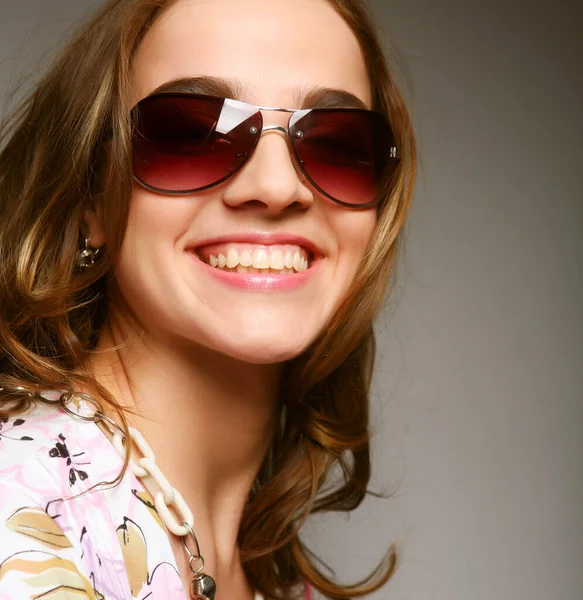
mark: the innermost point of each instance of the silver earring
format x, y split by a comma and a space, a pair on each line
86, 256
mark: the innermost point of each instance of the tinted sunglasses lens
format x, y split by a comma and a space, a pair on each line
346, 154
188, 143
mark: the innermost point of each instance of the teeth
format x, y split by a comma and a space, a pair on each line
242, 269
232, 258
260, 261
246, 259
276, 260
297, 261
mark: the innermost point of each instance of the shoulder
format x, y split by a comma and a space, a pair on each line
54, 536
37, 550
57, 516
27, 442
48, 454
24, 434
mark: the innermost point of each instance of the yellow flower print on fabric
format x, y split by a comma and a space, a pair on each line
49, 577
135, 555
34, 522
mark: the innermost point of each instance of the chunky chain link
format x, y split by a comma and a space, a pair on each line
86, 407
165, 496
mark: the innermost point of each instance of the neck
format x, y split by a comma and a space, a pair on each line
208, 418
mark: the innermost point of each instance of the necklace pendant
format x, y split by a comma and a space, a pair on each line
203, 587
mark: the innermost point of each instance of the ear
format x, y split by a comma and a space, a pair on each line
92, 228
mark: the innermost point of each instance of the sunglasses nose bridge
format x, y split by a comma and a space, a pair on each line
276, 128
273, 127
266, 128
288, 136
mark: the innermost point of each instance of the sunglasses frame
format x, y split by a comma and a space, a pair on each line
295, 115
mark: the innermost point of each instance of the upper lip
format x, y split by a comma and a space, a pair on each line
266, 239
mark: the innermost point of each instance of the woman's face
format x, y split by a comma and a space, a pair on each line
270, 48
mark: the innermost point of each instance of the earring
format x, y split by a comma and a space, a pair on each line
86, 256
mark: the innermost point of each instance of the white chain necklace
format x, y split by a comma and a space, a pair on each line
87, 408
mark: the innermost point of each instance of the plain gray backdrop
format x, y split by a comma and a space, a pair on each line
478, 401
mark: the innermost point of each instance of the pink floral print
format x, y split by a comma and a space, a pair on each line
63, 533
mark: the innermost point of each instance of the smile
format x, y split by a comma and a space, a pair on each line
281, 259
245, 274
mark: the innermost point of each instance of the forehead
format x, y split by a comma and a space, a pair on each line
273, 51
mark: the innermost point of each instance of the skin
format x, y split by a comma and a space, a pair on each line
203, 372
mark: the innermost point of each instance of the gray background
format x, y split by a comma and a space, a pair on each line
477, 407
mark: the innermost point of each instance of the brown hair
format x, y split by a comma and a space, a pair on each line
56, 147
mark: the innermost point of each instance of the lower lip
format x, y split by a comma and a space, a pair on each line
256, 281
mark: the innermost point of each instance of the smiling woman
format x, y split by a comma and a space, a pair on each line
200, 210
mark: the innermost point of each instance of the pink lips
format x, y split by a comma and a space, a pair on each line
257, 281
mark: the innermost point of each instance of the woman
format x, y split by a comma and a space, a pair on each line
201, 205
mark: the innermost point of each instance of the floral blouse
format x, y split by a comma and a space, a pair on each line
107, 544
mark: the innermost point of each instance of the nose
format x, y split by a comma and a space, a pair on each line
271, 178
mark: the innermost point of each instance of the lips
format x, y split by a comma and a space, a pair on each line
260, 281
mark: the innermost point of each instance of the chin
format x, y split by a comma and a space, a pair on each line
263, 337
263, 350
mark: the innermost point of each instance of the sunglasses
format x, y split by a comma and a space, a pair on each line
185, 143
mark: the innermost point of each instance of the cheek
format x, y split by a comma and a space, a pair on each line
156, 221
147, 257
353, 232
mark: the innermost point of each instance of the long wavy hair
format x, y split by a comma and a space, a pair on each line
55, 150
